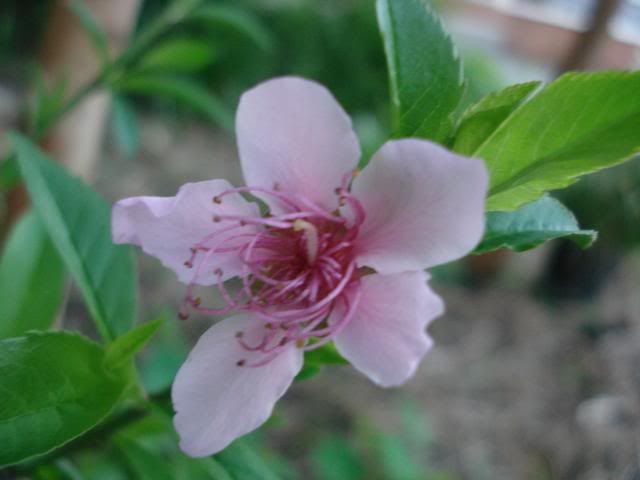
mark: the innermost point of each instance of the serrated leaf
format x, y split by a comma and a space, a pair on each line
425, 73
578, 124
125, 126
32, 279
237, 19
91, 27
179, 55
53, 388
482, 119
532, 225
78, 221
183, 90
123, 348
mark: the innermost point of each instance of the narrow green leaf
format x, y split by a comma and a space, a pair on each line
32, 279
151, 464
123, 349
154, 445
336, 458
483, 118
244, 463
578, 124
166, 353
395, 457
145, 465
237, 19
425, 73
78, 221
532, 225
179, 55
125, 126
68, 469
9, 173
91, 27
53, 388
183, 90
200, 468
47, 101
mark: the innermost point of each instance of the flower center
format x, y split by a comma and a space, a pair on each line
299, 275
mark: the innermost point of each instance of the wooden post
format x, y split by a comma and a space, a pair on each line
578, 57
67, 52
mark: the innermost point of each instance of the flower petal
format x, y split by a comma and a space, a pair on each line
217, 401
294, 134
424, 206
167, 228
386, 338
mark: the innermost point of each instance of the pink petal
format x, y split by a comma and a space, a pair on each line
217, 401
424, 206
386, 338
167, 227
294, 134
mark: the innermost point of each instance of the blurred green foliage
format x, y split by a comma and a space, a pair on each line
610, 203
335, 42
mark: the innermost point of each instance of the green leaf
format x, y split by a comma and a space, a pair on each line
32, 279
125, 126
395, 458
327, 354
166, 353
154, 445
179, 55
9, 173
244, 463
425, 73
578, 124
91, 27
48, 100
78, 221
183, 90
53, 389
236, 19
336, 458
309, 370
146, 465
123, 348
483, 118
314, 360
532, 225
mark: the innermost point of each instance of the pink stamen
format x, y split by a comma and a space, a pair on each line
298, 266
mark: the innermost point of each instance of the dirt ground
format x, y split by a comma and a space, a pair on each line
515, 388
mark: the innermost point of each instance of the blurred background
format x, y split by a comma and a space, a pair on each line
535, 373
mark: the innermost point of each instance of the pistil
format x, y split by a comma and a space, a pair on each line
298, 266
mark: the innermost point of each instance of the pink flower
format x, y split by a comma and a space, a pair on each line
339, 257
